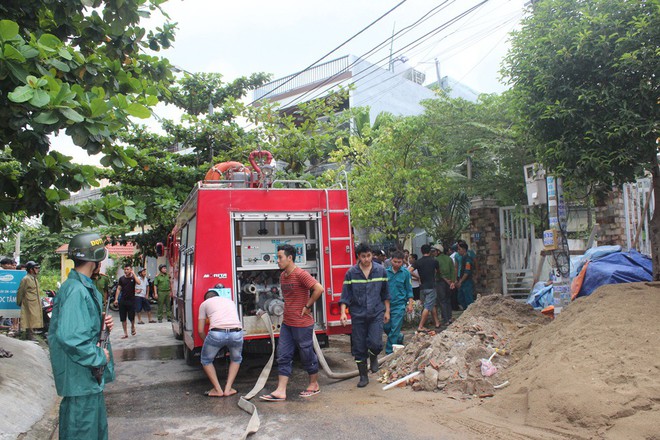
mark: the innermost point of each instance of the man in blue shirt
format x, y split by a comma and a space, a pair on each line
398, 281
465, 285
365, 292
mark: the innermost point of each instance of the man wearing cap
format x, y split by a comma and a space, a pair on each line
81, 368
163, 293
27, 298
225, 330
141, 301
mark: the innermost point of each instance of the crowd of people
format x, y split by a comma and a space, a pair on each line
377, 293
27, 298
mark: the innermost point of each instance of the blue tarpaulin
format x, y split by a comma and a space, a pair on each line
541, 296
619, 267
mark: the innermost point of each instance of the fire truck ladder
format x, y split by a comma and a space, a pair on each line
338, 265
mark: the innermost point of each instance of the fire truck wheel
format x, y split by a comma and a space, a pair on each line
188, 356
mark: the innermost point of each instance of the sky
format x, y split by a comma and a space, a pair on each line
284, 37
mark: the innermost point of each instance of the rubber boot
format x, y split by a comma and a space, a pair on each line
364, 374
373, 362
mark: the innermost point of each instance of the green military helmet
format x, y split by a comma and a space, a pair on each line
87, 247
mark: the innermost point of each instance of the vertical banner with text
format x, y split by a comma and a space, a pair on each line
9, 281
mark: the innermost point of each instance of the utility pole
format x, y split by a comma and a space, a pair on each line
391, 67
17, 248
437, 72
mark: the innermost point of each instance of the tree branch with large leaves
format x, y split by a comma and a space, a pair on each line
77, 66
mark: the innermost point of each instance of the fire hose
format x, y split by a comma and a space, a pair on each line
249, 407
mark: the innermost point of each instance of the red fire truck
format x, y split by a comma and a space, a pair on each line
226, 236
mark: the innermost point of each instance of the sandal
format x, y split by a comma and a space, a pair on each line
309, 393
133, 332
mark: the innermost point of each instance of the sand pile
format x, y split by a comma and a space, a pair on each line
595, 369
451, 360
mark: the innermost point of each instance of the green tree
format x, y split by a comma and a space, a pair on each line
481, 143
148, 195
78, 66
304, 136
585, 77
392, 172
38, 244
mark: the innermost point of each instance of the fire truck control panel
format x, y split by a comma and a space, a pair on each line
262, 251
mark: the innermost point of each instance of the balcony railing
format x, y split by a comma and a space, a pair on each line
294, 81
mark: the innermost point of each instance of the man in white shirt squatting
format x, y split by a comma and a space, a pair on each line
224, 331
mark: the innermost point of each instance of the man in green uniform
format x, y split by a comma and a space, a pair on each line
163, 293
102, 283
74, 351
27, 298
445, 282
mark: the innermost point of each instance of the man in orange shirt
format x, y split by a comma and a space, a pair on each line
297, 329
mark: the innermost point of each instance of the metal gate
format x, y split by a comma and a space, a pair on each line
518, 256
638, 203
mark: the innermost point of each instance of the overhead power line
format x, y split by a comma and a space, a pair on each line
380, 45
409, 46
331, 52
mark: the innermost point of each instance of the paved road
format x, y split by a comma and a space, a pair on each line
157, 395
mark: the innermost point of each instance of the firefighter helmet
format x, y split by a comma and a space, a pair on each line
87, 247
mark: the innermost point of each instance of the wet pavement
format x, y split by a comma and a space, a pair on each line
156, 395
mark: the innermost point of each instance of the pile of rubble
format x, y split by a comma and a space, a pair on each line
452, 360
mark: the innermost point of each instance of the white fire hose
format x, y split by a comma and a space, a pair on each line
249, 407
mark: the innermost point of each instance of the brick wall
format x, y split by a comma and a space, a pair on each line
485, 241
611, 220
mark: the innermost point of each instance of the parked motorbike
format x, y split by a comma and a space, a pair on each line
112, 292
150, 293
47, 307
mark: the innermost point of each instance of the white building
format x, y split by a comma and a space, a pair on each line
398, 92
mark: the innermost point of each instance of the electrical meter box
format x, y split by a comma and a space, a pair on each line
550, 237
535, 183
261, 252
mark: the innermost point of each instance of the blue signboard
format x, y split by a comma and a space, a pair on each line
9, 281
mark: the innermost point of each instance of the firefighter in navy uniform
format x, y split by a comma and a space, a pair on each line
74, 345
367, 294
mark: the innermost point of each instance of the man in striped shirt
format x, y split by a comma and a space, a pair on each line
367, 295
297, 329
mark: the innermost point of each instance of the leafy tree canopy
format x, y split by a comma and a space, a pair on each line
585, 77
147, 196
77, 66
392, 170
